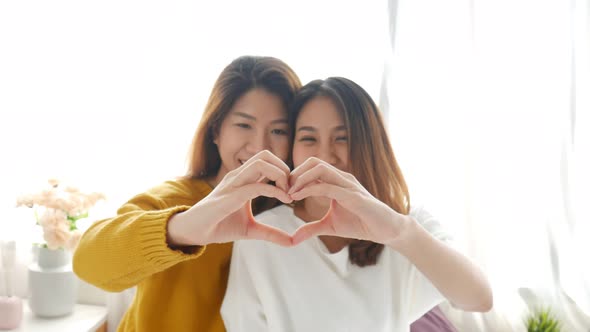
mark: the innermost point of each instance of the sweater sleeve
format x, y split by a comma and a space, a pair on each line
117, 253
242, 309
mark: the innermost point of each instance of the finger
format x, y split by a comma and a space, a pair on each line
321, 173
258, 170
270, 158
269, 233
309, 230
254, 190
334, 192
308, 164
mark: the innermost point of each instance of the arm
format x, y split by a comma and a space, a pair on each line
241, 309
225, 215
355, 213
119, 252
452, 273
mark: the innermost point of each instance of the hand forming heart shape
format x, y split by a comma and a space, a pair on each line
354, 212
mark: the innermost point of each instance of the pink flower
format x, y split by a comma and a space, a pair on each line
60, 206
70, 189
73, 241
46, 198
91, 200
53, 182
25, 200
74, 204
52, 218
56, 237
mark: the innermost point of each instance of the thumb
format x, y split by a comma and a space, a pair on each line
258, 231
308, 230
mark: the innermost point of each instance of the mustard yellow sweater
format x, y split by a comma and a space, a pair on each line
176, 290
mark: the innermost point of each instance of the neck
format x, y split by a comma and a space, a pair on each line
310, 210
214, 180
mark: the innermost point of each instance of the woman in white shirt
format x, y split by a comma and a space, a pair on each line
350, 194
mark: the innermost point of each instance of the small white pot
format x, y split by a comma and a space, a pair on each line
53, 286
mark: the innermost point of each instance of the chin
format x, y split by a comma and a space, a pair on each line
322, 201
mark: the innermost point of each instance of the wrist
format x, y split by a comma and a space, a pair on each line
175, 231
408, 236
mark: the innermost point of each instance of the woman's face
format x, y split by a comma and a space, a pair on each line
320, 132
256, 122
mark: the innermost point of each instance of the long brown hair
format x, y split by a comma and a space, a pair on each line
370, 154
239, 77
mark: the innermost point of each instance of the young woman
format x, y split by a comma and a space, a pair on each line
174, 241
367, 260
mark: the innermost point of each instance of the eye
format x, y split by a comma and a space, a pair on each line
307, 139
342, 139
277, 131
243, 125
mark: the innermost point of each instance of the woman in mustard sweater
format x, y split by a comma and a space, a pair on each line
174, 241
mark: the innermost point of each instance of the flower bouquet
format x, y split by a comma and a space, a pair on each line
57, 209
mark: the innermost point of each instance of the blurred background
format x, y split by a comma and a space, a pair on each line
487, 105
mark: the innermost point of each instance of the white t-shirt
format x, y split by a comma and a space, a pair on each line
306, 288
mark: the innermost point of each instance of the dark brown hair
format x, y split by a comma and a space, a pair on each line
369, 150
239, 77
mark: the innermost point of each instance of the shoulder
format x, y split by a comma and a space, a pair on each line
182, 187
181, 191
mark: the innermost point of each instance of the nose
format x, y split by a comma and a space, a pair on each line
326, 153
258, 142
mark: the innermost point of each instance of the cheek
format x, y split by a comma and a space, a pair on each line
343, 156
280, 148
300, 154
229, 142
226, 151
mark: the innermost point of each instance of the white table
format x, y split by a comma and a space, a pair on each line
84, 318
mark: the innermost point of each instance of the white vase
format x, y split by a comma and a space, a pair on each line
53, 286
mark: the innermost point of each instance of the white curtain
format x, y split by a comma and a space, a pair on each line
488, 109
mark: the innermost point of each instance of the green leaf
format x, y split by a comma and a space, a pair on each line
73, 225
542, 320
78, 217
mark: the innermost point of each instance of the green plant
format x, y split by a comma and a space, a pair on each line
542, 320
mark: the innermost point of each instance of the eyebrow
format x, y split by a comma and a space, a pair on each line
253, 118
313, 129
